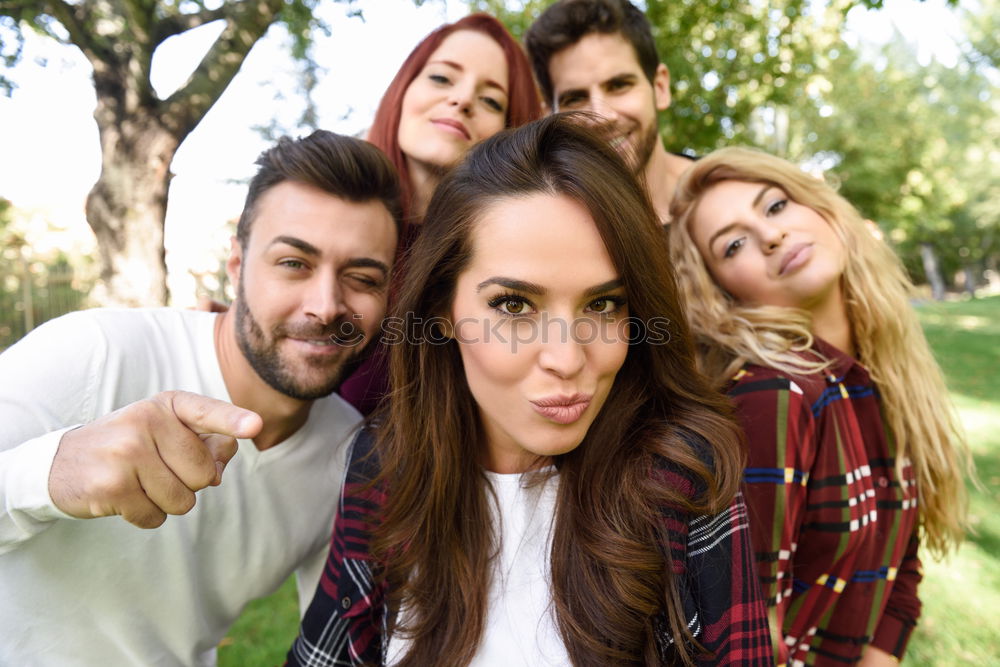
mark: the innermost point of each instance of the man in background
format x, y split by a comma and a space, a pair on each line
599, 56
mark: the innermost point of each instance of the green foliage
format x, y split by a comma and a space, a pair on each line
6, 215
728, 60
34, 287
983, 29
914, 146
11, 47
914, 149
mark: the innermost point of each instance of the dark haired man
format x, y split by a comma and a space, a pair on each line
599, 56
134, 412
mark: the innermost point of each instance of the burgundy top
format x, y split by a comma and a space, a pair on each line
834, 528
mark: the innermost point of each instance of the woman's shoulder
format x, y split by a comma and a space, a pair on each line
755, 378
363, 468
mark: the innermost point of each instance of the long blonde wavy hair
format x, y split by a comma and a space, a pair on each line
886, 332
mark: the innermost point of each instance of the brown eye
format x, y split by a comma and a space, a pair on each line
608, 305
511, 305
514, 307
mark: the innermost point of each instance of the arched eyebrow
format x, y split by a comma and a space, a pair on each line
297, 243
760, 194
513, 284
584, 91
729, 227
307, 248
603, 287
538, 290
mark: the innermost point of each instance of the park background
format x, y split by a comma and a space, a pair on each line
896, 102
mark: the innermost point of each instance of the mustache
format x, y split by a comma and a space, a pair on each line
604, 128
342, 331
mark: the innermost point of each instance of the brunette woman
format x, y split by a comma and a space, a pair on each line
461, 84
554, 482
854, 449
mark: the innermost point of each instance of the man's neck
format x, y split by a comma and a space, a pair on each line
662, 172
282, 415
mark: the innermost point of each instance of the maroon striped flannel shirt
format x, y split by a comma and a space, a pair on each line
834, 528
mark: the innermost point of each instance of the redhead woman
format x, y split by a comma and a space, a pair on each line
462, 83
854, 451
553, 483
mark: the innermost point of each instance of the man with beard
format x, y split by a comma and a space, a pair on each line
599, 56
139, 413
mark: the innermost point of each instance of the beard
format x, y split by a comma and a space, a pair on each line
321, 376
639, 158
636, 157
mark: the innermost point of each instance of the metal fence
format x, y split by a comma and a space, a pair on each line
34, 292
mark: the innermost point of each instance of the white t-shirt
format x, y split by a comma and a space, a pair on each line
521, 626
103, 592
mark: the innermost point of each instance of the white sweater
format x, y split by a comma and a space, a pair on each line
103, 592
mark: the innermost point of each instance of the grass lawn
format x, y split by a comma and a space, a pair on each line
961, 596
265, 630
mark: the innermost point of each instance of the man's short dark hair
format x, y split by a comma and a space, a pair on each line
566, 22
345, 167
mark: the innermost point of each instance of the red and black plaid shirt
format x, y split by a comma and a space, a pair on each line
834, 528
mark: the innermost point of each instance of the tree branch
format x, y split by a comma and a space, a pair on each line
25, 10
140, 15
76, 20
175, 24
246, 22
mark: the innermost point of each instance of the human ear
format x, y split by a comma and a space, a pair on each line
235, 262
661, 87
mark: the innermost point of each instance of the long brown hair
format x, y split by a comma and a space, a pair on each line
886, 331
436, 542
524, 103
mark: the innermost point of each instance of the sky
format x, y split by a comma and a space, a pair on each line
49, 142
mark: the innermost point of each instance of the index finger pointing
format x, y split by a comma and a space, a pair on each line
203, 415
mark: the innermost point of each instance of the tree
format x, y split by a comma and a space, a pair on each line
914, 148
732, 64
139, 132
983, 28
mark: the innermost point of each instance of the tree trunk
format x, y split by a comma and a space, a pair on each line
127, 208
932, 270
969, 279
140, 132
993, 273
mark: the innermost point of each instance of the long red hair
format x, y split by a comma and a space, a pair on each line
524, 105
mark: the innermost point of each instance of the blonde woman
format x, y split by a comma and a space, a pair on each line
854, 453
